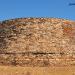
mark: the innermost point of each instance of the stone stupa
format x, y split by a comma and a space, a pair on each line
37, 42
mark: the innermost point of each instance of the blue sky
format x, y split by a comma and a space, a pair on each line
36, 8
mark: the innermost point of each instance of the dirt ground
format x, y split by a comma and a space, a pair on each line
12, 70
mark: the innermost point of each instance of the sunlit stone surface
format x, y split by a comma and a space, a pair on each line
37, 42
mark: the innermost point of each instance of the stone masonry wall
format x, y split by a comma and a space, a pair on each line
37, 42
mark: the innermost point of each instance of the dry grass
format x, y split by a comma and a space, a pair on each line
9, 70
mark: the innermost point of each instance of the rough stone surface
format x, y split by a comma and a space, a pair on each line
37, 42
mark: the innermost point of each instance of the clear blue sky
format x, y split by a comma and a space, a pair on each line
36, 8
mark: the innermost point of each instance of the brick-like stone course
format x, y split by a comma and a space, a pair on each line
37, 42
